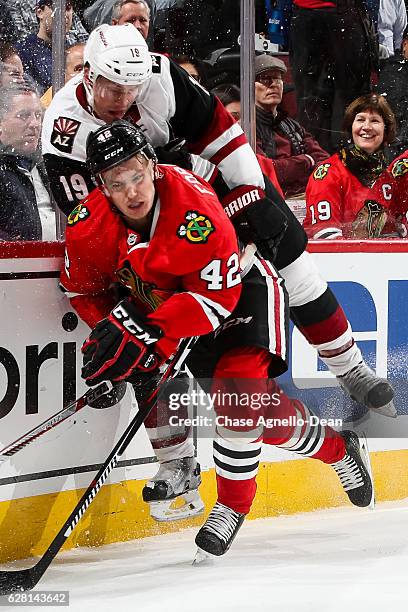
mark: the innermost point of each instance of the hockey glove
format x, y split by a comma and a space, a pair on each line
119, 345
175, 152
256, 219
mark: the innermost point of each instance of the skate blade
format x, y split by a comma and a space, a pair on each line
168, 510
202, 557
387, 410
366, 458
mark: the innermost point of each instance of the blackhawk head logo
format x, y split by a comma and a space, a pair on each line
400, 167
79, 213
321, 171
197, 229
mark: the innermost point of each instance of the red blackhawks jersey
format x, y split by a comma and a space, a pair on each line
397, 177
184, 277
338, 205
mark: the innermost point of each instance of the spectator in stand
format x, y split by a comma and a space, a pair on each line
348, 195
11, 67
22, 21
333, 49
393, 83
116, 12
392, 21
35, 50
136, 12
26, 212
294, 151
230, 96
191, 65
74, 63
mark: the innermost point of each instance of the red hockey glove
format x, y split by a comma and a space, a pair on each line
120, 345
256, 218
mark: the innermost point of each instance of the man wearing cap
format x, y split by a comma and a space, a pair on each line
294, 151
35, 50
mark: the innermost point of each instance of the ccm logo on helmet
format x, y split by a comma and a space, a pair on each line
128, 323
113, 153
241, 202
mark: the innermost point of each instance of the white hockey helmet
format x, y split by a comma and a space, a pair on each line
119, 53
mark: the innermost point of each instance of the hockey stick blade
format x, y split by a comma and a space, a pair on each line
26, 579
90, 396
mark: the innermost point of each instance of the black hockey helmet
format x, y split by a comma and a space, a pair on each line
113, 144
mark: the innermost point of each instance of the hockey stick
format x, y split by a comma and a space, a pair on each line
26, 579
90, 396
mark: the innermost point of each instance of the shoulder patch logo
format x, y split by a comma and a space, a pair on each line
400, 167
156, 63
80, 213
197, 229
321, 171
63, 134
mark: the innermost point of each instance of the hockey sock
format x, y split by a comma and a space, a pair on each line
236, 467
305, 436
237, 449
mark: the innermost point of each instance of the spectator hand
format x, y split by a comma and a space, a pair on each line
310, 159
383, 52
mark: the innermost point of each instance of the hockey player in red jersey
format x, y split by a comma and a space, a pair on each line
163, 236
159, 231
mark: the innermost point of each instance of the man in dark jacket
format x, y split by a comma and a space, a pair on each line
393, 83
35, 50
294, 151
24, 195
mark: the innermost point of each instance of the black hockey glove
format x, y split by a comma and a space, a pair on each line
175, 152
120, 345
256, 219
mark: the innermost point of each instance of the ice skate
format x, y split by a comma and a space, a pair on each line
354, 471
363, 386
178, 480
218, 532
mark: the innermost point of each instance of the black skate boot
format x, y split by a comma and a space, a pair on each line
179, 478
363, 386
354, 471
218, 532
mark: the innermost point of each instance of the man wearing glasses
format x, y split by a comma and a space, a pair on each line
294, 151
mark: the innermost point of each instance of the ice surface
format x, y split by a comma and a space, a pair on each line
340, 560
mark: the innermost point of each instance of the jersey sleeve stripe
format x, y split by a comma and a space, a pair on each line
227, 149
241, 168
214, 312
328, 232
223, 139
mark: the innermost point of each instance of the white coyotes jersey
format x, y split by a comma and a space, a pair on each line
69, 119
